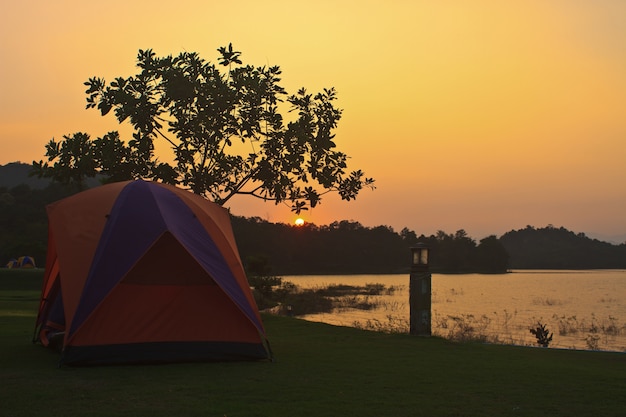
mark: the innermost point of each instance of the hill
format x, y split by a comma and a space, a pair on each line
342, 247
559, 248
16, 173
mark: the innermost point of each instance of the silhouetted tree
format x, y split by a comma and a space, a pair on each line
225, 129
558, 248
408, 236
491, 256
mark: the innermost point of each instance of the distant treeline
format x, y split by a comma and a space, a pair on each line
558, 248
343, 247
347, 247
24, 222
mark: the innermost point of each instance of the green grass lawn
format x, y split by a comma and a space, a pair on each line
321, 370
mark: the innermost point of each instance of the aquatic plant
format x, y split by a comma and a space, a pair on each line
543, 335
593, 341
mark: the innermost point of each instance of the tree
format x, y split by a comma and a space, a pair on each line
408, 236
225, 129
491, 256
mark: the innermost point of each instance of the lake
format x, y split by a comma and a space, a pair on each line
583, 309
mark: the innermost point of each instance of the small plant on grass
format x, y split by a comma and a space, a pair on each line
543, 335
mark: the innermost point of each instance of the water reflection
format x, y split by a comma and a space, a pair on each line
583, 309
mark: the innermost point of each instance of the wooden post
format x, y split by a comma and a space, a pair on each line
420, 303
420, 292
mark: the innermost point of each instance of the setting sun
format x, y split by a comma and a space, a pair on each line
299, 221
488, 108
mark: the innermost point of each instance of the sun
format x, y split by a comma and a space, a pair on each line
299, 221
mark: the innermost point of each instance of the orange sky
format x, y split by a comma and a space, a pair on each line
483, 115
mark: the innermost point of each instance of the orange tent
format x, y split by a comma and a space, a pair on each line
141, 271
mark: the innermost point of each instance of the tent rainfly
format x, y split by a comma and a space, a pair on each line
26, 262
143, 272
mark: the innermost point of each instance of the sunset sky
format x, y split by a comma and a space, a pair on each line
479, 115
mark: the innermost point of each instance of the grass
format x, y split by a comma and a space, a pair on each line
321, 370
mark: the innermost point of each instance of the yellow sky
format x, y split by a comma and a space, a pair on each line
482, 115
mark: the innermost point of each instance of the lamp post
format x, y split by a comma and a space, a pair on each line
420, 291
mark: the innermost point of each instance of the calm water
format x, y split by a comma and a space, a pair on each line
584, 309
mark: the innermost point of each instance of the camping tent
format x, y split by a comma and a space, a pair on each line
141, 271
26, 262
22, 262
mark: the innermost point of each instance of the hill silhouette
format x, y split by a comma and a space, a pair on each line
16, 173
559, 248
342, 247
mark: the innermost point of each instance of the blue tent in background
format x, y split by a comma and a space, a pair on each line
26, 262
22, 262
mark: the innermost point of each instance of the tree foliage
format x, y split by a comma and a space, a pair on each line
225, 125
348, 247
340, 247
458, 253
558, 248
23, 220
